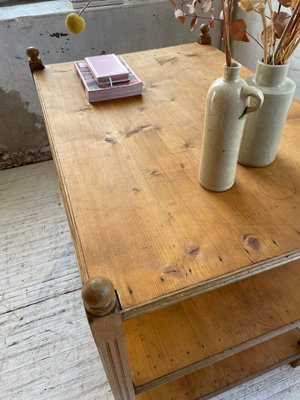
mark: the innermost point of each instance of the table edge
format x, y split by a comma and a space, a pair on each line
206, 286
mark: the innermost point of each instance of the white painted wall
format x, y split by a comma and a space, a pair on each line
137, 25
248, 53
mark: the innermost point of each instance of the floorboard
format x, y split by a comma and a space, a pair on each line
46, 348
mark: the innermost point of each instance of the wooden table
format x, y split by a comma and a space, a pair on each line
179, 283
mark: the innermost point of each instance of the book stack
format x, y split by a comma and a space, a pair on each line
95, 3
107, 77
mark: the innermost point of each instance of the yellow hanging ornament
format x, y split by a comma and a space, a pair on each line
75, 23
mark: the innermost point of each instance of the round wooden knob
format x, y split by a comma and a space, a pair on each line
99, 296
32, 53
204, 29
35, 63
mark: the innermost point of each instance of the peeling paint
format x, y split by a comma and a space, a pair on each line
42, 26
30, 156
58, 34
20, 129
38, 125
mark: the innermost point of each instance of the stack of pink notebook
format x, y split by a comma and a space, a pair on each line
107, 77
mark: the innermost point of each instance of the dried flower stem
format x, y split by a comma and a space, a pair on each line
255, 40
292, 25
271, 41
227, 17
86, 6
265, 30
291, 45
267, 17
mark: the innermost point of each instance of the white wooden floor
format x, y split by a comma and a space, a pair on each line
46, 349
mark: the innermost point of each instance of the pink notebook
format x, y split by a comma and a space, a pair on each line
94, 92
107, 69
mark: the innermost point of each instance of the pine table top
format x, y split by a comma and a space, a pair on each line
128, 172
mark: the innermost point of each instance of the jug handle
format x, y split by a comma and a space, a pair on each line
250, 91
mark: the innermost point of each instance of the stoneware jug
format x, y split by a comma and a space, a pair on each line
225, 111
262, 131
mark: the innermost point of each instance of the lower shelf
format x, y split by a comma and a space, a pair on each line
178, 340
230, 372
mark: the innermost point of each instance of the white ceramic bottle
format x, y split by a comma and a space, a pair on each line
262, 131
225, 112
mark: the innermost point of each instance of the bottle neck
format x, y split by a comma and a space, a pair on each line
270, 75
232, 74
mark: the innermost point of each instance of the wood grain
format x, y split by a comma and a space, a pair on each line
109, 337
212, 380
295, 363
169, 343
37, 255
128, 171
47, 351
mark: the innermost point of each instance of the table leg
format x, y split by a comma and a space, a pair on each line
295, 363
107, 328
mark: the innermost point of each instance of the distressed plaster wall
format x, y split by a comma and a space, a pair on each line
134, 26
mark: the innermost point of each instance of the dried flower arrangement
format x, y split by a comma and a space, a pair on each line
281, 35
236, 29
